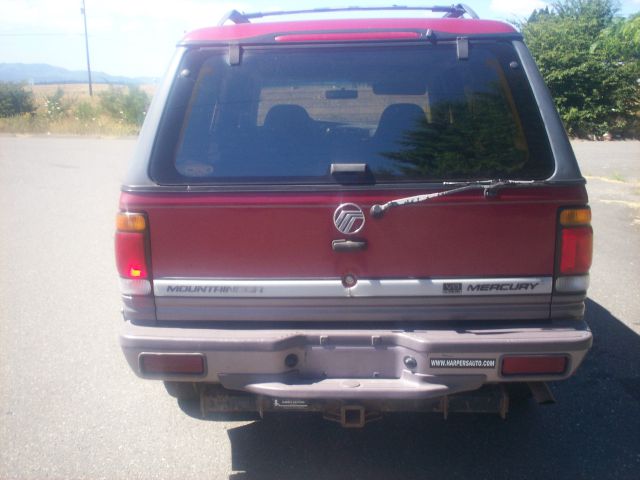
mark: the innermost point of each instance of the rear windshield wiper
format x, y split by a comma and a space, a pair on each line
489, 186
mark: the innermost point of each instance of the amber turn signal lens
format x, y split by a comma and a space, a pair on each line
130, 222
575, 216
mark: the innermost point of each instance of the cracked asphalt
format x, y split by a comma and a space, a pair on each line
70, 408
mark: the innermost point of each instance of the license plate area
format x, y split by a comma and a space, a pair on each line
352, 362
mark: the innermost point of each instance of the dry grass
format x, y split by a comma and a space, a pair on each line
36, 124
80, 90
81, 114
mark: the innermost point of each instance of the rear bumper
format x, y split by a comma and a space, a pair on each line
359, 363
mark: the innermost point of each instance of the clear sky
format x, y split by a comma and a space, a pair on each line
137, 37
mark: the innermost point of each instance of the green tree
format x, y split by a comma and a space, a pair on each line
620, 40
128, 106
591, 68
482, 143
15, 99
619, 43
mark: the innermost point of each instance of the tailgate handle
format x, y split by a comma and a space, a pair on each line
348, 245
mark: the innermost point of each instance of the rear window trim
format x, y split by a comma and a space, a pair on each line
320, 187
222, 47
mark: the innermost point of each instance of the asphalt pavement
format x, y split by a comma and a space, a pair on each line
612, 170
71, 408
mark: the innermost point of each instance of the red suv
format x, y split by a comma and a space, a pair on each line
354, 216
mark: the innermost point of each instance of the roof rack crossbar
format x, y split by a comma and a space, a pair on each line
235, 16
460, 9
450, 11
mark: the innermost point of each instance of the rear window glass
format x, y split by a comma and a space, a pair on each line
409, 113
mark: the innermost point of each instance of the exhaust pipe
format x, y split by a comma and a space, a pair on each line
541, 393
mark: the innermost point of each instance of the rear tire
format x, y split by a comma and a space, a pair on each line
183, 390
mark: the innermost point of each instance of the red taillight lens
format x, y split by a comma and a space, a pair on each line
130, 255
187, 364
576, 250
575, 243
534, 365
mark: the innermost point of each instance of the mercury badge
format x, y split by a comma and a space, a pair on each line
348, 218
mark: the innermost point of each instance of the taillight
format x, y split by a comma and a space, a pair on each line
575, 249
534, 365
131, 253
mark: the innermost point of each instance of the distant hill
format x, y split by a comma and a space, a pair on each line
39, 73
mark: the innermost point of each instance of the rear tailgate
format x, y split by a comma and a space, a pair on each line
269, 256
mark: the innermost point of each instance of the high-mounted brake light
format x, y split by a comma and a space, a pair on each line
346, 37
131, 255
575, 250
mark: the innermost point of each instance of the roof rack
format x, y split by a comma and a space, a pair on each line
450, 11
